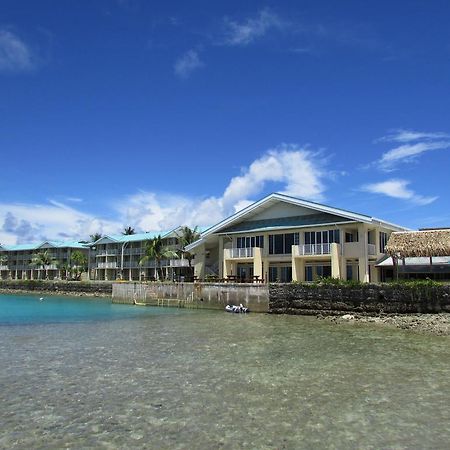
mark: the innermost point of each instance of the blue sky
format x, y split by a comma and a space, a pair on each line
154, 114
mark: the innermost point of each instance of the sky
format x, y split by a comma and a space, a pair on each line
154, 114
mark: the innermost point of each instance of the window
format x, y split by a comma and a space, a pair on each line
383, 241
281, 244
322, 237
250, 242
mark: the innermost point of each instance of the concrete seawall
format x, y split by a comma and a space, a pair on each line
308, 299
194, 295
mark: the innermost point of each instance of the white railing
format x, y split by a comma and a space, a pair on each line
371, 249
239, 252
314, 249
107, 265
179, 263
107, 253
4, 268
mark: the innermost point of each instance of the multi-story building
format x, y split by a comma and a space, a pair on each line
281, 238
118, 257
16, 260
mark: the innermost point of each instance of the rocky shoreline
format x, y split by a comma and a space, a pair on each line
54, 292
436, 324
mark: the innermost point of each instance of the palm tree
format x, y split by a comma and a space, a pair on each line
79, 261
42, 259
128, 231
187, 236
3, 260
95, 237
156, 250
63, 268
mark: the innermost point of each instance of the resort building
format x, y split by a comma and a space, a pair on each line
283, 239
417, 255
115, 257
16, 261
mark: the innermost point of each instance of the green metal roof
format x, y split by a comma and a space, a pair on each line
35, 246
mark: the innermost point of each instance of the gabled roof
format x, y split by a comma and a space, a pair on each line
37, 245
121, 238
270, 200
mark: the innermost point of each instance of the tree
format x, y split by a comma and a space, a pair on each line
63, 268
187, 236
128, 231
42, 259
157, 251
3, 260
79, 260
95, 237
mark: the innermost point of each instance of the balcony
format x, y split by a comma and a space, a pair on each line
107, 265
238, 253
4, 268
179, 263
312, 249
108, 252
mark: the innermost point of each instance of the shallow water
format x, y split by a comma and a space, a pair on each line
85, 373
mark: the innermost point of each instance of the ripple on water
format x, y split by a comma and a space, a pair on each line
203, 379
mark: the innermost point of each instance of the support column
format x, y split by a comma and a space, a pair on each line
298, 269
257, 262
200, 259
227, 268
363, 260
221, 261
335, 263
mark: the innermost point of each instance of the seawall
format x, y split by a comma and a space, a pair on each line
395, 298
75, 288
194, 295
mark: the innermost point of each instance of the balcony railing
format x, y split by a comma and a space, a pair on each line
107, 265
371, 249
3, 267
238, 253
107, 253
314, 249
179, 263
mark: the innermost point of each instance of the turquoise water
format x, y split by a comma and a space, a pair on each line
38, 309
135, 377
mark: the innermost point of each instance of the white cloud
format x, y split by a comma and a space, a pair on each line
407, 152
404, 136
296, 170
15, 55
243, 33
290, 169
413, 144
187, 63
397, 188
22, 223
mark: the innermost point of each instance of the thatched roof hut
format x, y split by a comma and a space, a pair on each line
419, 243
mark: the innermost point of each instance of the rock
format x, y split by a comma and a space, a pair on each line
348, 317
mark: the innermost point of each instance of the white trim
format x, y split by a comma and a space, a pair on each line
294, 201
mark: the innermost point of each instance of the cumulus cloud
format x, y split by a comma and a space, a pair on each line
247, 31
412, 145
292, 169
23, 223
397, 188
289, 169
187, 63
15, 55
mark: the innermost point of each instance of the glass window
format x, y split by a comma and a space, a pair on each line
279, 244
383, 241
308, 273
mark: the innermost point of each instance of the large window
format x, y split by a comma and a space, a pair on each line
281, 244
322, 237
383, 241
250, 242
